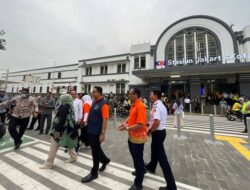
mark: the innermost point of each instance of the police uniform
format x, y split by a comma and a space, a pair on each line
159, 112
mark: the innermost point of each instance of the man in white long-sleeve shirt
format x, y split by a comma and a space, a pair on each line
78, 112
77, 107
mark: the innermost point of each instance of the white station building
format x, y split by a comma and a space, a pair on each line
195, 55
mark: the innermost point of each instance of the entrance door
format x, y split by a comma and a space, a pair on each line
179, 89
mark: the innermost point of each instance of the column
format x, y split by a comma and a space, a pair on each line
244, 84
194, 86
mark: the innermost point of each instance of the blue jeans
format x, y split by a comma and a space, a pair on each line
136, 151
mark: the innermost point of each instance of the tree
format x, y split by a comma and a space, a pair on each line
2, 44
2, 41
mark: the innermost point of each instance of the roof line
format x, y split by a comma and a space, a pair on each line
110, 56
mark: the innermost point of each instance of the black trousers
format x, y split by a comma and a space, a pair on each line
84, 135
158, 155
97, 153
2, 117
245, 120
42, 121
14, 122
33, 121
136, 151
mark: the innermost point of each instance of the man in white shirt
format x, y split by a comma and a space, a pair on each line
77, 107
157, 129
78, 113
187, 102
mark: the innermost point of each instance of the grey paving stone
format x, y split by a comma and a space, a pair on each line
193, 161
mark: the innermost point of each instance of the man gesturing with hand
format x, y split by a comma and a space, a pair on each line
135, 124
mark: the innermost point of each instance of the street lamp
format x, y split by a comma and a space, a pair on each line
6, 77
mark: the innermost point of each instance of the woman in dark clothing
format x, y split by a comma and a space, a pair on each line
63, 132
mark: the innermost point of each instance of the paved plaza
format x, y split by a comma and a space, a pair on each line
197, 162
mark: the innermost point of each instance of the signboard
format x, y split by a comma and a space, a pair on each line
32, 79
201, 60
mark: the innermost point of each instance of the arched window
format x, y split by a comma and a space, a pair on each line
193, 46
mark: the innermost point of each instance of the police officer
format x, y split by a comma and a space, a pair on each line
157, 129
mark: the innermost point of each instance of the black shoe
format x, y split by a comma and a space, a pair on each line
162, 188
134, 172
40, 133
17, 145
37, 129
134, 187
168, 188
29, 128
149, 169
103, 167
46, 133
89, 178
245, 131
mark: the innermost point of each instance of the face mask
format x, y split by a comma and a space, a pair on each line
24, 95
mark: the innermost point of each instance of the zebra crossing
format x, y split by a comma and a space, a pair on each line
201, 124
20, 170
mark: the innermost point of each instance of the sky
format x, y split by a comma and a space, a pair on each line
39, 32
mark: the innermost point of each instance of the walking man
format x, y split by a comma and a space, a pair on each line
97, 124
77, 103
23, 109
35, 119
157, 129
135, 124
47, 105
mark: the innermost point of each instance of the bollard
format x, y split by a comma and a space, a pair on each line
202, 111
211, 120
248, 129
215, 111
114, 121
221, 111
190, 108
178, 124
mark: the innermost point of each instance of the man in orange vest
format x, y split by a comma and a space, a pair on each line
135, 124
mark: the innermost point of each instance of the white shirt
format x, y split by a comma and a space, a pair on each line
77, 109
159, 112
187, 100
178, 109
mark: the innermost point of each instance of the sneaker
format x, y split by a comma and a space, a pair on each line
85, 147
70, 160
46, 166
29, 128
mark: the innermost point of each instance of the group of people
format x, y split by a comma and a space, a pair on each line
91, 118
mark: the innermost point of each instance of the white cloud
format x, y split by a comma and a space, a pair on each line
69, 30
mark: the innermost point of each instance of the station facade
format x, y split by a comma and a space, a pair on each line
196, 55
